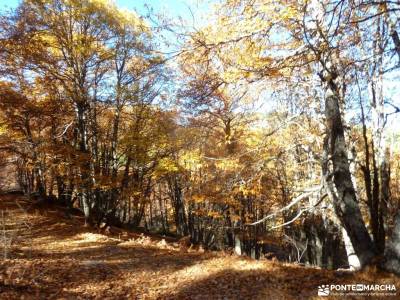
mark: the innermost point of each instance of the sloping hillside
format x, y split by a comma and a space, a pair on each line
52, 256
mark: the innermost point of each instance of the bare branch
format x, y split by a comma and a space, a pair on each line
296, 200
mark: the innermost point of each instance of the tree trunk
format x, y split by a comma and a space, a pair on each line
85, 167
352, 258
338, 182
392, 253
176, 196
238, 245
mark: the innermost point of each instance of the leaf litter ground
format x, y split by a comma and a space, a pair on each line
51, 256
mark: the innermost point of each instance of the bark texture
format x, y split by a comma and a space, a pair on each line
337, 175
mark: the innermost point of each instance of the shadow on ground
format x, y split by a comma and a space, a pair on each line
51, 256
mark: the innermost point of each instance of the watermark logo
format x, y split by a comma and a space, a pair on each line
358, 289
323, 290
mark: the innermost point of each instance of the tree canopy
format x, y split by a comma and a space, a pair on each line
273, 128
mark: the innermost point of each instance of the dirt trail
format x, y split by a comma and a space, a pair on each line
50, 256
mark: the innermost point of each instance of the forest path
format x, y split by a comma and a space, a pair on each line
50, 256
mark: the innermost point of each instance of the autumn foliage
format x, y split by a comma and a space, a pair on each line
270, 132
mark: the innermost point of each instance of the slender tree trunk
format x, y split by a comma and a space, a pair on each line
85, 166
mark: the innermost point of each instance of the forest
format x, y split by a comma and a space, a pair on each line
269, 130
